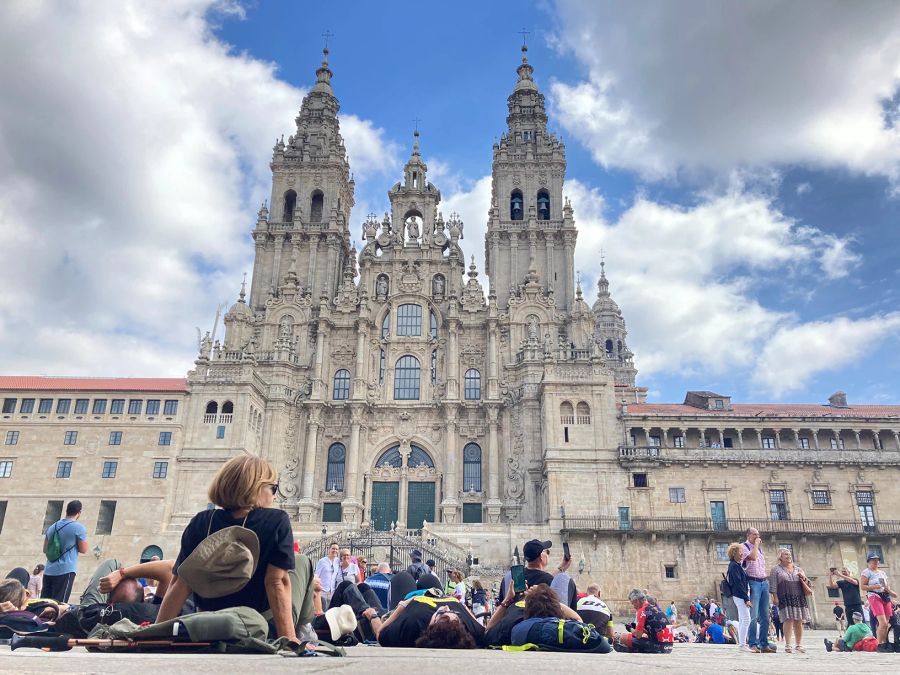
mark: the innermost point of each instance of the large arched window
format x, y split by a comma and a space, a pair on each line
341, 389
516, 206
212, 408
433, 324
582, 413
406, 378
609, 347
418, 457
334, 476
391, 457
543, 204
472, 388
472, 468
386, 325
566, 413
149, 552
290, 203
228, 408
409, 320
316, 205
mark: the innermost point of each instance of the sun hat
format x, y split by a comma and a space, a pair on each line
222, 563
341, 620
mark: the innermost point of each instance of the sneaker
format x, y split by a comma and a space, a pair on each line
745, 648
885, 648
755, 650
828, 644
768, 650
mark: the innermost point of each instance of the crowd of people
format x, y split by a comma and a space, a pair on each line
242, 554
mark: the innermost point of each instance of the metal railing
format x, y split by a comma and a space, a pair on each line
751, 454
800, 526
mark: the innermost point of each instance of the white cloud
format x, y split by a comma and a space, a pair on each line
804, 188
134, 150
796, 353
701, 85
369, 151
472, 206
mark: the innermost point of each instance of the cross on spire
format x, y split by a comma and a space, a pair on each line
524, 33
327, 35
416, 121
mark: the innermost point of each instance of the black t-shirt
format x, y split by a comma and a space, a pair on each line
850, 592
276, 547
534, 577
501, 633
838, 611
412, 622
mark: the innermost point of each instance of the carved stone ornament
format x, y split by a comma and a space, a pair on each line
411, 278
347, 299
291, 179
343, 354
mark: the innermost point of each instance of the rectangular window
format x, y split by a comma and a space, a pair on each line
865, 502
717, 515
5, 468
639, 480
115, 438
64, 468
165, 437
52, 514
109, 469
624, 518
654, 442
670, 571
676, 495
9, 405
46, 406
804, 443
720, 404
117, 406
778, 504
220, 432
81, 406
2, 515
472, 513
99, 406
71, 438
728, 442
821, 497
722, 551
135, 406
170, 408
106, 517
62, 406
833, 592
160, 469
768, 441
332, 512
12, 437
153, 406
409, 320
27, 405
679, 441
876, 549
837, 444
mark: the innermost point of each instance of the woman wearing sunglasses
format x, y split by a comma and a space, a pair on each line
244, 488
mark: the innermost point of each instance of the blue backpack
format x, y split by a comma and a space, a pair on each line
558, 635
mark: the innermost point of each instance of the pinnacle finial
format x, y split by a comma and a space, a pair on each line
243, 293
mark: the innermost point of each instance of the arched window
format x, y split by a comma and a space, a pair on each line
543, 204
409, 320
391, 457
316, 205
228, 408
472, 468
418, 457
386, 325
290, 203
472, 385
566, 413
433, 324
582, 413
212, 408
150, 551
516, 206
609, 347
341, 389
406, 378
334, 476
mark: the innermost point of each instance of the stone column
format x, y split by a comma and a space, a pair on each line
549, 239
740, 433
257, 292
319, 387
897, 439
493, 504
450, 503
702, 438
352, 507
453, 360
837, 438
759, 438
276, 260
404, 499
721, 438
493, 378
646, 431
778, 438
360, 376
313, 251
308, 504
876, 436
665, 437
815, 437
796, 437
858, 444
514, 277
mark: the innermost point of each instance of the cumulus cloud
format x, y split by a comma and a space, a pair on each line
704, 85
472, 205
134, 150
795, 353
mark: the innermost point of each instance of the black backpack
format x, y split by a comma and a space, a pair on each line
655, 620
725, 587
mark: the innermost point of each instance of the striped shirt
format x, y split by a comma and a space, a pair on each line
756, 569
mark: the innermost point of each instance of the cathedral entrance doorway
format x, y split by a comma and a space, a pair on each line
419, 505
385, 505
403, 488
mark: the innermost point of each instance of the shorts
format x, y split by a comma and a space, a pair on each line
880, 607
867, 644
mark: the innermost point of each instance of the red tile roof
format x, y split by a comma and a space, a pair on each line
765, 410
34, 383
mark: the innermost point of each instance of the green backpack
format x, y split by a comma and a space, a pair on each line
54, 545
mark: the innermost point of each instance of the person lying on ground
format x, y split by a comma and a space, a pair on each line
536, 602
431, 621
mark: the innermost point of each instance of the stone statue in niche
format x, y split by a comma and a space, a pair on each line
437, 287
381, 287
412, 229
286, 328
532, 327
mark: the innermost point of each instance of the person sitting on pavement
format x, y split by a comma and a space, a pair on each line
591, 609
713, 633
431, 621
651, 633
537, 559
242, 554
536, 602
380, 583
857, 638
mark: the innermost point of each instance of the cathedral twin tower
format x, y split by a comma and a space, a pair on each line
386, 385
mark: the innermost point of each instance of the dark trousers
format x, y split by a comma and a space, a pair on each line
58, 586
360, 598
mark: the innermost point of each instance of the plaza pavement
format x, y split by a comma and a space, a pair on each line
686, 658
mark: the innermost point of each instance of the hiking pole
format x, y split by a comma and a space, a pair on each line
63, 643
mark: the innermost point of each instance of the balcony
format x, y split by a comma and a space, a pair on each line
747, 455
733, 526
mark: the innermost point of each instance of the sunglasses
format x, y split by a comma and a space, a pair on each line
274, 488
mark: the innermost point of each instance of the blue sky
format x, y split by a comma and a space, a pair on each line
737, 162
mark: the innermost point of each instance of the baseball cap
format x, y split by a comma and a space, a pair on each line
873, 556
857, 617
533, 549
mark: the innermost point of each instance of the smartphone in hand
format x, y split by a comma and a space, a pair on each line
567, 555
518, 578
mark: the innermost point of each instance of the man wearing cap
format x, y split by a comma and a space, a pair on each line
857, 638
875, 582
537, 558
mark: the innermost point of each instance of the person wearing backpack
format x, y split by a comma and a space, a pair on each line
739, 590
652, 633
63, 542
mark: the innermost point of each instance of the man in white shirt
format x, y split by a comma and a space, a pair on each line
328, 571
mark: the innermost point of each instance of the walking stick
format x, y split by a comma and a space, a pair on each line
62, 643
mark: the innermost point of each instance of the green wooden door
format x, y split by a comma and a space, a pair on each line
419, 505
385, 499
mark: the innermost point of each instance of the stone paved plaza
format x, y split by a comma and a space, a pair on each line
684, 659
